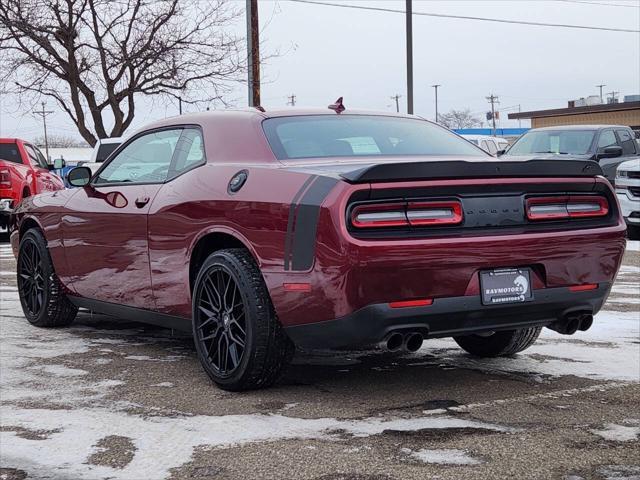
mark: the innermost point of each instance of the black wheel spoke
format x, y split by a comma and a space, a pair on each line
220, 320
31, 281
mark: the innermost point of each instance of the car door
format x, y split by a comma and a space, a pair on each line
105, 224
41, 173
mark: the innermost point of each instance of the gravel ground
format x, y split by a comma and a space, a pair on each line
107, 398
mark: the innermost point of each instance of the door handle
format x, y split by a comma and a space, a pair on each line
141, 201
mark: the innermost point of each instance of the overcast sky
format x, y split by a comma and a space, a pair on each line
330, 52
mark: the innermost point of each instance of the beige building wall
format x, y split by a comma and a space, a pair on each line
630, 118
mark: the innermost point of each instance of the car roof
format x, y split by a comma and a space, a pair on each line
577, 127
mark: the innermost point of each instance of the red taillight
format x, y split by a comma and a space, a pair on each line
415, 214
5, 178
583, 288
574, 206
411, 303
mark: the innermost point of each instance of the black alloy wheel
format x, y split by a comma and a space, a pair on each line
221, 320
42, 295
31, 281
239, 340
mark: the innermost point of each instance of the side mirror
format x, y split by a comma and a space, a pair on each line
611, 152
500, 152
79, 176
59, 163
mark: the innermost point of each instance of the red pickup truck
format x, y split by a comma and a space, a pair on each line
24, 171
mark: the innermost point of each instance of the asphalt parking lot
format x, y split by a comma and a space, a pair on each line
112, 399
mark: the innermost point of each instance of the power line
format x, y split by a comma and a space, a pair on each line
463, 17
585, 2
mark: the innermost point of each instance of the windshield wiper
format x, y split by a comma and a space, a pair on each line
557, 153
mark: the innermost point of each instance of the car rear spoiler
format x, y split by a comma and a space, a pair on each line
456, 169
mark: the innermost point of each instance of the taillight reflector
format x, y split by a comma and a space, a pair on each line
582, 288
297, 287
411, 303
552, 208
416, 214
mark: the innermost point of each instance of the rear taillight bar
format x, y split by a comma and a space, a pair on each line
5, 178
406, 214
568, 206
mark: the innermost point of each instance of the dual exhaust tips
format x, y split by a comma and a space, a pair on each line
410, 342
572, 323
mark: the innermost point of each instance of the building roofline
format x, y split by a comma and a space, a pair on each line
556, 112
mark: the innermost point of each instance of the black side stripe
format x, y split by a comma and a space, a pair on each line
292, 212
306, 223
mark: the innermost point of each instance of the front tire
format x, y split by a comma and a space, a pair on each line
239, 340
499, 344
42, 296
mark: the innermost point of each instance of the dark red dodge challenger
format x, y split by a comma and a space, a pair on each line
258, 231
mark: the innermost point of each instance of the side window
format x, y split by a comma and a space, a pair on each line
33, 157
626, 141
484, 145
492, 147
607, 139
189, 152
145, 160
41, 157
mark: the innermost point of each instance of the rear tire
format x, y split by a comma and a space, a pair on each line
42, 296
240, 342
503, 343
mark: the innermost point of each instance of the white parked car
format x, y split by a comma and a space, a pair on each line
101, 151
488, 143
628, 192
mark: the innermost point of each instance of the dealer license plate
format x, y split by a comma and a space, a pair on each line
506, 285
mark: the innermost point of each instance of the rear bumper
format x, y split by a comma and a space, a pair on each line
447, 317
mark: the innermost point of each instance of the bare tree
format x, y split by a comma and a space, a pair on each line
59, 141
96, 57
458, 119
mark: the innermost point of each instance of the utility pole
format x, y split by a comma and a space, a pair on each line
600, 87
253, 53
613, 96
493, 100
180, 105
44, 114
397, 97
436, 89
409, 19
292, 100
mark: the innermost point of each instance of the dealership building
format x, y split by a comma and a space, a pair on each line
624, 113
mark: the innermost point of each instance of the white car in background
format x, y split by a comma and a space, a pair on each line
628, 192
101, 151
488, 143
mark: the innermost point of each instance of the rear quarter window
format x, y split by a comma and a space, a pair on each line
10, 153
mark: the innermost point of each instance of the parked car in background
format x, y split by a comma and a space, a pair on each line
101, 151
488, 143
260, 230
609, 145
24, 171
628, 191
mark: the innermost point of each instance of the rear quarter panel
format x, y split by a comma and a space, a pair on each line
198, 203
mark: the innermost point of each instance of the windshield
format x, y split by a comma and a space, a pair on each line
316, 136
567, 142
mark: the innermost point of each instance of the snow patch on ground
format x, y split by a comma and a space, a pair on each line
447, 456
174, 437
163, 384
619, 433
60, 370
607, 351
633, 245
